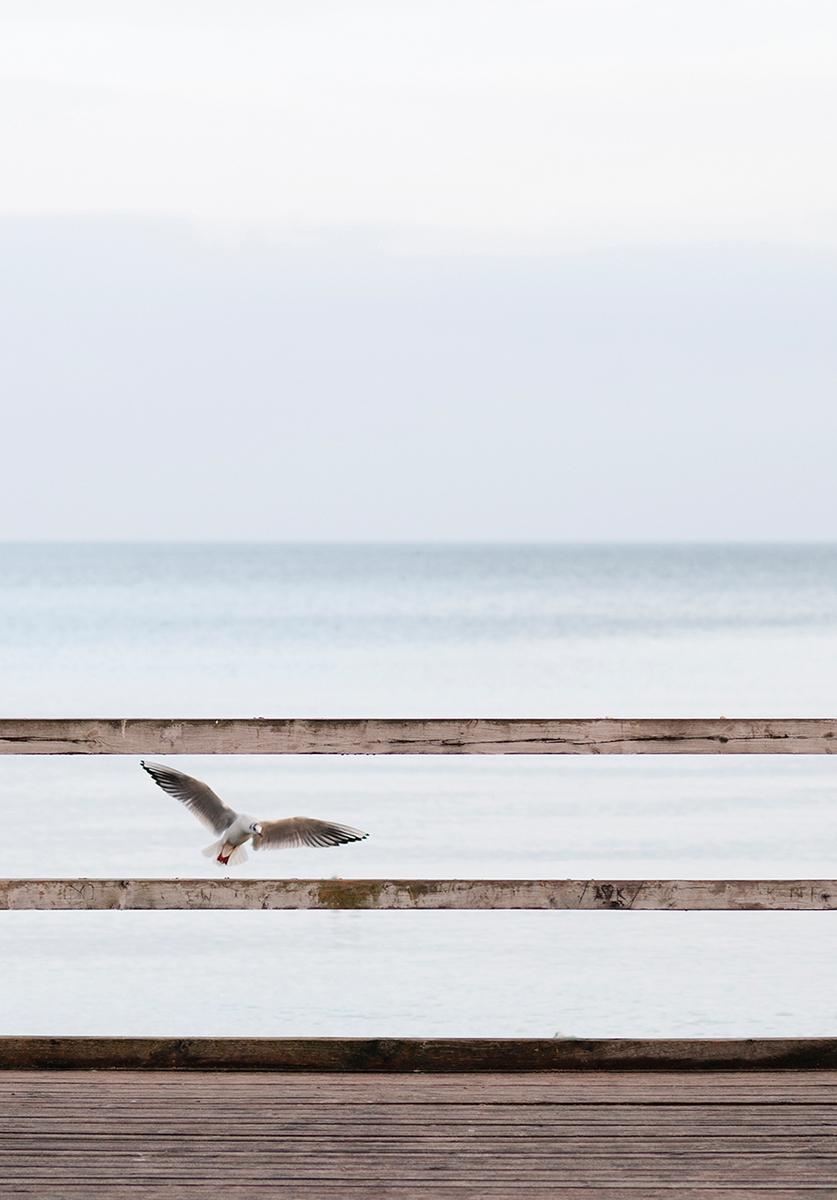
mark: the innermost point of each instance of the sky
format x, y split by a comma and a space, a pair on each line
450, 271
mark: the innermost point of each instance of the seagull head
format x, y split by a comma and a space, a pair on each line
256, 828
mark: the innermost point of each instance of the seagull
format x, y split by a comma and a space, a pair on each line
236, 829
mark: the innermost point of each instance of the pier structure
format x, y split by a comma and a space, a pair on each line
418, 1119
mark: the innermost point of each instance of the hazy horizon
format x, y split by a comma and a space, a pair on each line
601, 543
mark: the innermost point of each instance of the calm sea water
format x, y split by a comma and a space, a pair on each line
216, 630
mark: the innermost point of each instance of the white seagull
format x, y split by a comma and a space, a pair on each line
236, 829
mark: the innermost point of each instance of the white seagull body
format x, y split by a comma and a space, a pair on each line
236, 829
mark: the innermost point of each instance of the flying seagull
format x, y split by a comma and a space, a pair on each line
236, 829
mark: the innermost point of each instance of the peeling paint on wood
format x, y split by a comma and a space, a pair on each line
719, 735
415, 894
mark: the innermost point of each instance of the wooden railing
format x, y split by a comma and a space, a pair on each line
262, 735
637, 895
417, 736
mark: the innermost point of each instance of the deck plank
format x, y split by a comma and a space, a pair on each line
694, 1135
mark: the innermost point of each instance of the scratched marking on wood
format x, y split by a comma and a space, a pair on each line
453, 736
413, 894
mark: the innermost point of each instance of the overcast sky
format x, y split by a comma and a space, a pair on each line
443, 270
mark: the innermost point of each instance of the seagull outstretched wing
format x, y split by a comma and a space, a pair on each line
304, 831
198, 797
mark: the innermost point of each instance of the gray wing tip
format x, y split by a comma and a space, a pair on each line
352, 835
165, 777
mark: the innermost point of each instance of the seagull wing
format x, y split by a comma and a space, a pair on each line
198, 797
305, 831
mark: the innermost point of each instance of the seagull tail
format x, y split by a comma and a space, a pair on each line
233, 854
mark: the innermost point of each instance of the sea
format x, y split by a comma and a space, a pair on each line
214, 630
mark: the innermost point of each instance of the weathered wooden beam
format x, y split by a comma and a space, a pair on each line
414, 894
417, 1054
261, 735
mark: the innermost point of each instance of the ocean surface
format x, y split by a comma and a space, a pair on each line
271, 630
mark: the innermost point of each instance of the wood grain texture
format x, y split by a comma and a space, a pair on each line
415, 894
399, 1055
170, 736
163, 1135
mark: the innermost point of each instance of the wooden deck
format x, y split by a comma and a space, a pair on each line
413, 1119
160, 1135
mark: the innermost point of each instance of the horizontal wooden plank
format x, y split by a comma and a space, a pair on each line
204, 1115
415, 894
563, 1094
451, 1165
169, 1126
468, 1151
473, 1139
131, 1188
704, 1173
428, 1055
166, 736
